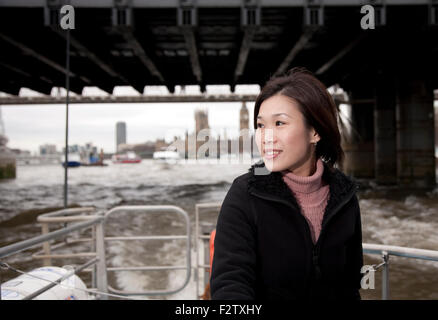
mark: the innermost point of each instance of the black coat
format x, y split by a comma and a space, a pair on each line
263, 247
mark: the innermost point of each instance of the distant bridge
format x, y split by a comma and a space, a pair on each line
14, 100
174, 98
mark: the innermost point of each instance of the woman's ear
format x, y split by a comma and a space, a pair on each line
314, 136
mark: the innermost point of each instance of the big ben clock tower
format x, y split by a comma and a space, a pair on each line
244, 126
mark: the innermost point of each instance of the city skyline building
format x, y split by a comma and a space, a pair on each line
244, 135
201, 123
48, 149
244, 117
120, 134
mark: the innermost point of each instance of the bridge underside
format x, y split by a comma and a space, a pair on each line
150, 47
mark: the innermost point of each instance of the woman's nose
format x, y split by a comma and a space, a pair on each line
269, 136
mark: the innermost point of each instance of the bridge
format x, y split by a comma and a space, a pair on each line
148, 98
168, 98
389, 72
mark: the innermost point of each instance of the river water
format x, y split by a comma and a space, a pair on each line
390, 215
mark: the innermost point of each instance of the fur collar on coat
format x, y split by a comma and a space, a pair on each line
271, 184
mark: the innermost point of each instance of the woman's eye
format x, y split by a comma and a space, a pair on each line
259, 125
277, 122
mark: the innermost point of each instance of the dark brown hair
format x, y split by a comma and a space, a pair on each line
316, 105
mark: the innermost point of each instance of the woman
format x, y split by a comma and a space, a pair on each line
290, 228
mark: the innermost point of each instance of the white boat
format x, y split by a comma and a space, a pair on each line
166, 155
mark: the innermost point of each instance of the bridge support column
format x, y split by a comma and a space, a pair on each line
358, 143
385, 153
415, 132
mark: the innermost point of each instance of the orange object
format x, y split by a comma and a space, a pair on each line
212, 235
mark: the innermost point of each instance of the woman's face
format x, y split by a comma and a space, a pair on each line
283, 140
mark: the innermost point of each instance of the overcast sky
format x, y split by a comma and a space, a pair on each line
29, 126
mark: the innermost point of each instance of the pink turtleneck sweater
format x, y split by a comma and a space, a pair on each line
312, 195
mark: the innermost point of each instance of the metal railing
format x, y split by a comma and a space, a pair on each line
98, 239
69, 215
63, 216
96, 222
153, 209
385, 251
204, 236
98, 256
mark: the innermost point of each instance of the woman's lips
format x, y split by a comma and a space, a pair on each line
272, 154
